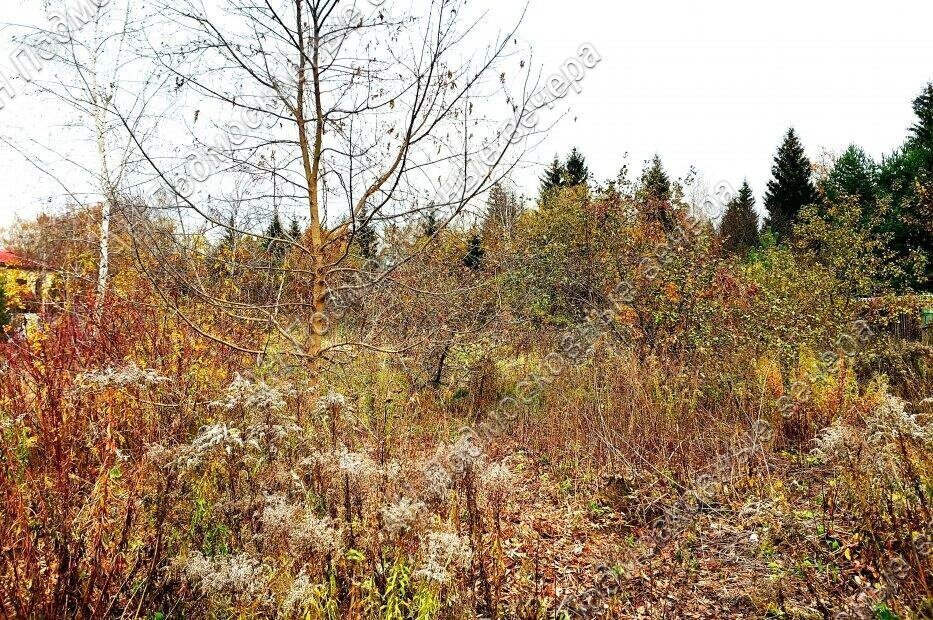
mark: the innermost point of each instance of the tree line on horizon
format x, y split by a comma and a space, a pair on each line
889, 200
893, 197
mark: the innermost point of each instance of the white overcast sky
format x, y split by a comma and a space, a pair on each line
712, 84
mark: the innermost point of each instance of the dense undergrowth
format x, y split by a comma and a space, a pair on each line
622, 398
151, 475
595, 412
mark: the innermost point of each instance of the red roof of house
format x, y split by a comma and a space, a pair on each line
9, 259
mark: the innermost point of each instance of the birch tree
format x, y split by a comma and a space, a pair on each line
84, 59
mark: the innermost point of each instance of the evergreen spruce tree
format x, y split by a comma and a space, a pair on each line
654, 183
575, 170
5, 316
431, 225
496, 204
475, 253
294, 230
553, 177
739, 227
854, 175
791, 188
921, 133
366, 237
275, 238
906, 180
653, 194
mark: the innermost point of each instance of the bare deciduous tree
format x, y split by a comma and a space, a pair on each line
346, 115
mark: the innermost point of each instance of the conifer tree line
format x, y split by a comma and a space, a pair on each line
570, 173
895, 194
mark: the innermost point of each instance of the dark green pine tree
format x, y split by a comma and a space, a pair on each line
294, 230
855, 175
575, 170
921, 133
654, 194
475, 253
654, 183
275, 238
5, 316
914, 160
366, 237
906, 179
431, 225
739, 227
791, 188
553, 177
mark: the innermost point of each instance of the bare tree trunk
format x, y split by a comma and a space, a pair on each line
312, 162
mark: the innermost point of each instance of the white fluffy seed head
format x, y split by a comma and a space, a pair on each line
497, 481
123, 377
238, 576
252, 396
443, 553
400, 517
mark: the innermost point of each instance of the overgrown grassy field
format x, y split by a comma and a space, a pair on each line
421, 395
561, 471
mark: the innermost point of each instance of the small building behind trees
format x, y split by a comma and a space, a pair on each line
27, 287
